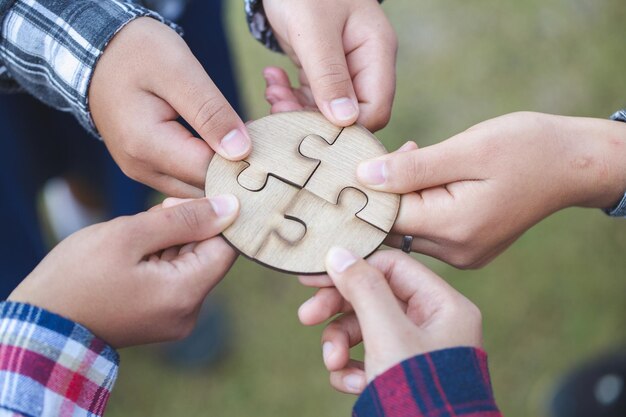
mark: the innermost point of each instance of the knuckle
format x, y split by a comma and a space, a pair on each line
335, 77
212, 115
188, 217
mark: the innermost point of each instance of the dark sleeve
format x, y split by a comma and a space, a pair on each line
451, 382
49, 48
620, 209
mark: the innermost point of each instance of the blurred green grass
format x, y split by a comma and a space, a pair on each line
555, 298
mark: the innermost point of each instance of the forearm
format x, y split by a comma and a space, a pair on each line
51, 366
451, 381
50, 48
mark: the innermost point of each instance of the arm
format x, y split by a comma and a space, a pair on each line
422, 338
345, 53
454, 380
50, 48
468, 198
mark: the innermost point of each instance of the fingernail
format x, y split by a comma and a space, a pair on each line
269, 77
173, 201
327, 351
343, 109
306, 304
224, 205
372, 172
236, 143
353, 382
407, 146
340, 259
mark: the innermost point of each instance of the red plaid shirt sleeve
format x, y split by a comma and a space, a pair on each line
51, 366
446, 383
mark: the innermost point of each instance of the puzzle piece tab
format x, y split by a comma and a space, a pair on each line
330, 225
275, 142
337, 170
261, 212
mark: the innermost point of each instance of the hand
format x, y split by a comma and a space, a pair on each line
470, 197
345, 51
145, 79
138, 279
395, 305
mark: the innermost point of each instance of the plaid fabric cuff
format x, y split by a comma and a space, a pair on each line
50, 366
260, 27
620, 209
451, 382
50, 48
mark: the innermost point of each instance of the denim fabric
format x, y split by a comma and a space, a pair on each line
620, 209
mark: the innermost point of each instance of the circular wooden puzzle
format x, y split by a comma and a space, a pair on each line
299, 194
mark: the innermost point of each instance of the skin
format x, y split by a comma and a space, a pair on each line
139, 279
392, 304
147, 77
470, 197
345, 52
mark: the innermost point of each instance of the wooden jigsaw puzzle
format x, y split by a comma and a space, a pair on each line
299, 194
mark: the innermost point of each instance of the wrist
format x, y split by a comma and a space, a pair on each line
596, 161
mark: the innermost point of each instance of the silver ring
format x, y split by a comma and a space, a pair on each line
407, 244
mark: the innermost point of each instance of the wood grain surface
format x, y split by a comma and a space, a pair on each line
295, 206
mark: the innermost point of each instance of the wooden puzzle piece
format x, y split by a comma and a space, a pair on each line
261, 211
327, 225
337, 170
275, 142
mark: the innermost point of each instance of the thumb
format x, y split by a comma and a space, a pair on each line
368, 291
323, 59
182, 223
418, 169
187, 87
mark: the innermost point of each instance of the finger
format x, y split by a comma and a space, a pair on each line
337, 339
184, 223
373, 69
207, 263
191, 92
366, 288
419, 169
323, 305
316, 281
174, 187
179, 154
351, 380
323, 59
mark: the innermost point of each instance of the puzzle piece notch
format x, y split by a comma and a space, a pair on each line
337, 171
247, 232
275, 142
323, 219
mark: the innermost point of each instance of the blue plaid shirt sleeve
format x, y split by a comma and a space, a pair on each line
448, 382
620, 209
49, 48
50, 366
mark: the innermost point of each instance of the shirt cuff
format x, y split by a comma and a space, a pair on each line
446, 382
620, 209
54, 366
50, 48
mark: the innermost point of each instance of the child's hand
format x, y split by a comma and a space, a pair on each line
346, 53
392, 303
145, 79
138, 279
473, 195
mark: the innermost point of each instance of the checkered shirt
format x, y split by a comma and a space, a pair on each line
50, 366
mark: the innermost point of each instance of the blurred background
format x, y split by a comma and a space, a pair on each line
556, 298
